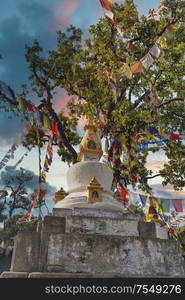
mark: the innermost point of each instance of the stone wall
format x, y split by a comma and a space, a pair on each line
97, 245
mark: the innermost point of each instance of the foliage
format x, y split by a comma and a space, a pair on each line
91, 72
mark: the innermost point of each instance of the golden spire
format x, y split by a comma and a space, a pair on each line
90, 146
60, 195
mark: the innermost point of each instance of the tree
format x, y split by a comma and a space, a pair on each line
3, 195
17, 197
94, 74
15, 187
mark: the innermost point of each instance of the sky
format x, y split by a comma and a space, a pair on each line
23, 21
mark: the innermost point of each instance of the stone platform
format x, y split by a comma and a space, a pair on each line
82, 243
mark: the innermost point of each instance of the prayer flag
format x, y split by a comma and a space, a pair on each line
54, 127
162, 42
22, 103
4, 88
105, 4
129, 47
177, 203
147, 61
155, 51
126, 71
165, 205
41, 118
143, 199
30, 107
137, 67
110, 15
118, 29
174, 136
153, 96
46, 121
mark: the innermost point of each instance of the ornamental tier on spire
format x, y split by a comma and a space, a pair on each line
90, 146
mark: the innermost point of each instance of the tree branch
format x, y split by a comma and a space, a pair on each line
151, 177
169, 101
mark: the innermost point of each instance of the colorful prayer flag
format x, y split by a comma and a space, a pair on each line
177, 203
105, 4
155, 51
46, 120
143, 199
129, 47
22, 103
110, 15
5, 89
126, 71
147, 61
137, 67
174, 137
30, 107
165, 205
162, 42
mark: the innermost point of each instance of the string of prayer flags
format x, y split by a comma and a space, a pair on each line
7, 91
47, 162
8, 155
106, 4
20, 160
30, 210
177, 203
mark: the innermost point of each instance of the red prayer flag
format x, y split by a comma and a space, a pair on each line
137, 67
170, 27
30, 107
123, 193
177, 203
174, 136
54, 126
105, 4
129, 47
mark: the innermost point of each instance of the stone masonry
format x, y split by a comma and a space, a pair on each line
85, 243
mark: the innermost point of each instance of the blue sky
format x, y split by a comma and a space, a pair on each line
22, 21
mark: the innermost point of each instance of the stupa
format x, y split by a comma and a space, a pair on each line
89, 235
89, 180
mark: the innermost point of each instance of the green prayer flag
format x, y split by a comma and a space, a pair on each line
165, 205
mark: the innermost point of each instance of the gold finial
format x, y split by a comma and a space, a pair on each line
90, 146
60, 195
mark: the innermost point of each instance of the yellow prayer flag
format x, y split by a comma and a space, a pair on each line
46, 121
162, 42
126, 71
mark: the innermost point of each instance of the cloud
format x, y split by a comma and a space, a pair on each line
167, 191
63, 11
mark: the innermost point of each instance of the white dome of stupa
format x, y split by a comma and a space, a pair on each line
90, 175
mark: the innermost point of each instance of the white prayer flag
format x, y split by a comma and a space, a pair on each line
155, 51
147, 61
